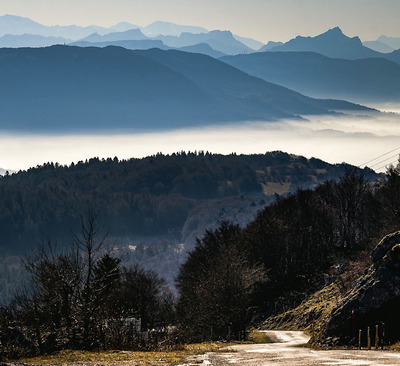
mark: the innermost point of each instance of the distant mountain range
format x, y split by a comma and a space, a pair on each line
64, 88
23, 32
363, 80
384, 44
378, 46
218, 43
15, 25
222, 41
147, 44
170, 29
30, 40
332, 43
128, 35
249, 42
330, 65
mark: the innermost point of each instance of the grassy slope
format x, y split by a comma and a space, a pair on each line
310, 314
313, 312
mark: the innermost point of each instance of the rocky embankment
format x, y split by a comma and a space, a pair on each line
374, 300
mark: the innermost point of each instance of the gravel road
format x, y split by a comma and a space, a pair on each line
288, 351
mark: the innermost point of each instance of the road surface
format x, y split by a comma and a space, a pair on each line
288, 350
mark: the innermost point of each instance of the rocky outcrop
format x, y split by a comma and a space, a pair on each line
374, 300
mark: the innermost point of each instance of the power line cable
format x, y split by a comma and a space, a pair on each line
386, 165
380, 156
382, 161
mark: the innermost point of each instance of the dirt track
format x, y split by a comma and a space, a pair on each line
288, 351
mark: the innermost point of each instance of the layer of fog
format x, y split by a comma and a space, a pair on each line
354, 140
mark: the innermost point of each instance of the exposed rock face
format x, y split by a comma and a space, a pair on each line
375, 299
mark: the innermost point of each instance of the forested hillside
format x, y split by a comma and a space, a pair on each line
153, 208
142, 197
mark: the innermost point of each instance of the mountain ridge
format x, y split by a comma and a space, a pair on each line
112, 87
332, 43
167, 28
363, 80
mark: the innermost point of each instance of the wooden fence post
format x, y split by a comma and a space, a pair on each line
376, 336
369, 338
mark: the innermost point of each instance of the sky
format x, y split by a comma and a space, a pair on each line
264, 20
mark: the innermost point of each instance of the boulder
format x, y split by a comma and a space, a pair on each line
374, 299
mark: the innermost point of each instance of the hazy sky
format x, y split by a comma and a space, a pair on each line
264, 20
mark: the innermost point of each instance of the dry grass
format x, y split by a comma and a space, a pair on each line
395, 347
310, 314
258, 337
271, 188
129, 358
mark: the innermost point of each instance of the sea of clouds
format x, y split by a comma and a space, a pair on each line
352, 139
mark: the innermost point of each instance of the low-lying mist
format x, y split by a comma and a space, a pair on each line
354, 140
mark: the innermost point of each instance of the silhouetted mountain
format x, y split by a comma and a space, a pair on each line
332, 43
319, 76
144, 44
249, 42
202, 48
170, 29
29, 40
129, 35
222, 41
378, 46
227, 84
11, 24
270, 45
393, 56
149, 43
64, 87
390, 41
123, 26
